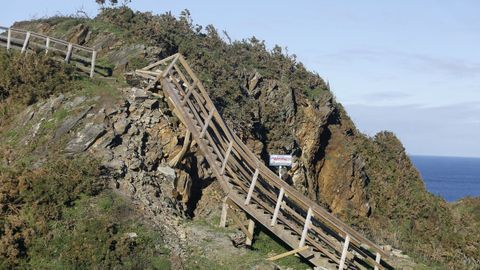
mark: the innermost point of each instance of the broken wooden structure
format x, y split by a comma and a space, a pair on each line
250, 186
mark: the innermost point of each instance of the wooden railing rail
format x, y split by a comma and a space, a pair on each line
23, 40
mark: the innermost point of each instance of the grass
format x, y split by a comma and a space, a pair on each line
264, 246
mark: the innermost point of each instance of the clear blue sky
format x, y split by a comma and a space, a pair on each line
412, 67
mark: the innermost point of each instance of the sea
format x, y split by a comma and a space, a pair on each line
449, 177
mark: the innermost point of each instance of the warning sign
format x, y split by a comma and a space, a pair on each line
280, 160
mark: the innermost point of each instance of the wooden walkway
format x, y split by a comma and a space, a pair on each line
252, 187
26, 40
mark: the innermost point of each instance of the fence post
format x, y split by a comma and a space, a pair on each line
344, 252
47, 44
377, 259
25, 43
92, 70
305, 228
69, 52
9, 37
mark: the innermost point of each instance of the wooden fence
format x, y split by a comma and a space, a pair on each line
25, 40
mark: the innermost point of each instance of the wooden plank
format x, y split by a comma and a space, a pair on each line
344, 253
169, 67
377, 260
9, 38
252, 187
69, 52
251, 228
306, 226
25, 43
277, 206
288, 253
223, 217
47, 45
92, 70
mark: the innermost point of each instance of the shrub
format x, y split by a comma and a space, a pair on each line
29, 77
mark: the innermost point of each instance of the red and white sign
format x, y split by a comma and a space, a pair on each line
280, 160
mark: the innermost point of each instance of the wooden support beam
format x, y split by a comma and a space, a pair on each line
69, 52
239, 223
251, 228
186, 97
25, 43
205, 127
169, 67
344, 253
288, 253
223, 217
225, 159
277, 206
377, 260
92, 68
186, 144
47, 45
306, 226
9, 38
252, 187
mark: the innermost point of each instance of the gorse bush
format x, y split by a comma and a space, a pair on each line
31, 198
30, 77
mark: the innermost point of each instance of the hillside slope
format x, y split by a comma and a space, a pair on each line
277, 106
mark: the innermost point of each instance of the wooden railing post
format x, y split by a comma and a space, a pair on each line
223, 217
251, 228
277, 206
9, 38
252, 187
69, 52
25, 43
92, 69
47, 45
305, 228
377, 259
344, 252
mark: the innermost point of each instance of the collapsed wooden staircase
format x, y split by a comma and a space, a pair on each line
249, 185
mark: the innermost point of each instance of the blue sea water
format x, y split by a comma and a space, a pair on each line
450, 177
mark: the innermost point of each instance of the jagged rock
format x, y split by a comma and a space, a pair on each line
150, 104
79, 34
238, 239
75, 102
70, 122
168, 172
86, 138
115, 164
27, 115
139, 94
252, 85
121, 126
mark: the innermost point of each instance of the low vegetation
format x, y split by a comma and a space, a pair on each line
54, 203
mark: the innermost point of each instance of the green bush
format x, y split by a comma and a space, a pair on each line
30, 77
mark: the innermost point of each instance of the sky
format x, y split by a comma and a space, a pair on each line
411, 67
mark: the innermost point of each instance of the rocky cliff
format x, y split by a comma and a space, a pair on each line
274, 104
